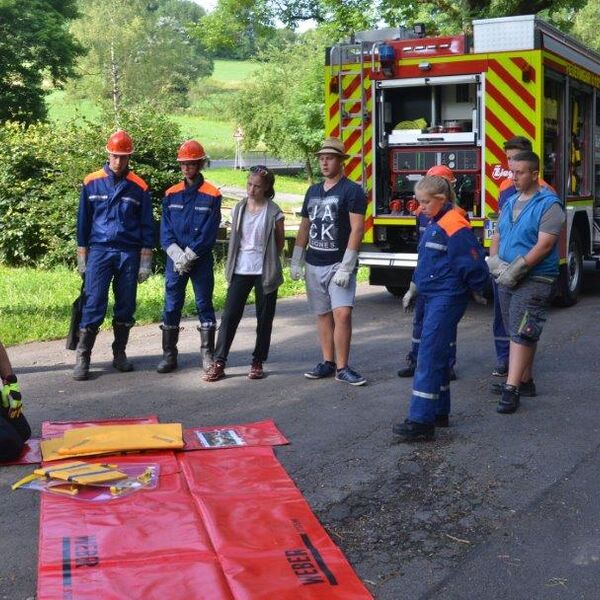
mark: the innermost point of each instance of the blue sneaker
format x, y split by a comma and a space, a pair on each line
348, 375
322, 370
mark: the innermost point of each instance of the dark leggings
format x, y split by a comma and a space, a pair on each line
237, 294
13, 435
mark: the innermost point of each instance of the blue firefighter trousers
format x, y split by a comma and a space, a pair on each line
417, 331
501, 338
103, 265
431, 385
203, 282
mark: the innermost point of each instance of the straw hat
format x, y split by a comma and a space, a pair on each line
332, 145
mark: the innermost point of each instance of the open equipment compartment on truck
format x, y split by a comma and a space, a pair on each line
402, 103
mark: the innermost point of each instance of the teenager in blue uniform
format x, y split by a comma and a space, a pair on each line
422, 222
450, 267
115, 236
191, 215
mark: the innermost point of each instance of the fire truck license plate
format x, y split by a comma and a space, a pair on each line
490, 228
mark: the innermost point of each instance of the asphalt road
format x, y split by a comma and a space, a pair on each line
498, 507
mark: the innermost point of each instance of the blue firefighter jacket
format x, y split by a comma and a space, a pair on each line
115, 211
451, 261
191, 216
518, 237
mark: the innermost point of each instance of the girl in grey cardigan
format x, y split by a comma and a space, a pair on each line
253, 261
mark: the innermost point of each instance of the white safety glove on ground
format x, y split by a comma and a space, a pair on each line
145, 269
297, 263
81, 260
496, 265
408, 300
513, 273
347, 266
177, 255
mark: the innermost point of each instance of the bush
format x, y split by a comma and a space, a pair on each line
41, 170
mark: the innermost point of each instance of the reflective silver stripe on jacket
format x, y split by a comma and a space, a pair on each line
436, 246
130, 199
425, 395
98, 197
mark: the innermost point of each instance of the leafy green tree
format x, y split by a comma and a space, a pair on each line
138, 51
282, 104
35, 46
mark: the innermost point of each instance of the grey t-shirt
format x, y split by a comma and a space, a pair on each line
552, 220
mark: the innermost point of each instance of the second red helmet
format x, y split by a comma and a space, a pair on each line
191, 150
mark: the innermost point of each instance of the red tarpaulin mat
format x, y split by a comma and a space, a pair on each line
148, 545
222, 525
269, 543
261, 433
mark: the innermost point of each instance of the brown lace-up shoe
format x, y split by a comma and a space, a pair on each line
215, 372
256, 370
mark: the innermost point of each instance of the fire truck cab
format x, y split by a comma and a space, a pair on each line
402, 103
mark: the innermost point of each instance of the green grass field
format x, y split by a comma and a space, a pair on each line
35, 305
198, 121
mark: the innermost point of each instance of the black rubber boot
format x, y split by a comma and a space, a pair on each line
409, 431
120, 361
170, 337
207, 345
509, 403
409, 369
87, 338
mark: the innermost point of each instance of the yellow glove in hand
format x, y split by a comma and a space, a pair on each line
11, 397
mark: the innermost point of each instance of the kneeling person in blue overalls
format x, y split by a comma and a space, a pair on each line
191, 215
115, 236
450, 267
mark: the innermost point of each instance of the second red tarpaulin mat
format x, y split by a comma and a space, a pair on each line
260, 433
268, 541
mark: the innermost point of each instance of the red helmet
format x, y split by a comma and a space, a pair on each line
442, 171
190, 150
120, 143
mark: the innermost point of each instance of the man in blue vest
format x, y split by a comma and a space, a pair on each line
524, 262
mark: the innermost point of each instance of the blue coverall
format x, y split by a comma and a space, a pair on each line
191, 216
422, 222
450, 264
114, 222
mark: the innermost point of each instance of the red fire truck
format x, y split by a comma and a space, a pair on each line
403, 102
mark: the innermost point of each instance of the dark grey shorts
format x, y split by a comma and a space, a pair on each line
525, 308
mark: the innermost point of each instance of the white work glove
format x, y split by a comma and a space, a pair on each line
478, 298
513, 273
346, 268
81, 260
190, 255
297, 263
180, 262
408, 300
496, 265
145, 269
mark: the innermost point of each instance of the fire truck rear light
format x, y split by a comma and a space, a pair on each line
396, 206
